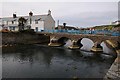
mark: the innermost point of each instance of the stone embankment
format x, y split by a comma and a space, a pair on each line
114, 71
12, 38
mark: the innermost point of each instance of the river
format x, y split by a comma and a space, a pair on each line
42, 61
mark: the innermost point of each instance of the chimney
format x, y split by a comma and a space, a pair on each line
64, 24
14, 15
49, 12
30, 14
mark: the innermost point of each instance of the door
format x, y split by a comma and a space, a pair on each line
36, 29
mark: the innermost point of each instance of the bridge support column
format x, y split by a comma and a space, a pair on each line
97, 47
54, 43
74, 45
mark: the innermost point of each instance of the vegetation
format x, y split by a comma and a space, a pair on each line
30, 31
105, 27
21, 23
117, 25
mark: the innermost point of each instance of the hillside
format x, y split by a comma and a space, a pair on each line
108, 27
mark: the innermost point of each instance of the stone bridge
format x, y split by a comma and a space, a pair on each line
59, 39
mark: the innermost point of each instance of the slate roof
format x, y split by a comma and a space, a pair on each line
34, 17
67, 27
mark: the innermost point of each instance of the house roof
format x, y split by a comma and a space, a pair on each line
34, 17
68, 27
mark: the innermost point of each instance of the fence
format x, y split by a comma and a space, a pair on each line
98, 32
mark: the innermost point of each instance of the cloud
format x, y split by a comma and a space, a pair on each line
59, 0
73, 13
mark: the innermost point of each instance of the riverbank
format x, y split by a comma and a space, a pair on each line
53, 62
114, 71
13, 38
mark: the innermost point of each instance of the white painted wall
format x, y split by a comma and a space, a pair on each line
49, 23
0, 28
40, 25
0, 22
9, 22
16, 28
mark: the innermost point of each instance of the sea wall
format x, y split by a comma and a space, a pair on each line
114, 71
23, 38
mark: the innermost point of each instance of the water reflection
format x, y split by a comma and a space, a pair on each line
40, 61
87, 44
68, 43
106, 49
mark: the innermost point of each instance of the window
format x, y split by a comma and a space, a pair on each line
12, 22
10, 28
36, 21
13, 28
36, 28
7, 22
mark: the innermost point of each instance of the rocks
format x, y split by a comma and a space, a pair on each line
114, 71
97, 47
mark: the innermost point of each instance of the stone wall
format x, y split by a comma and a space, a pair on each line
94, 38
23, 38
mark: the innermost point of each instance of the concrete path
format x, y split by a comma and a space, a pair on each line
114, 71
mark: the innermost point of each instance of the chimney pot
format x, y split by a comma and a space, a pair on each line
30, 14
14, 15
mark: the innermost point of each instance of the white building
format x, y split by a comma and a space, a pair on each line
115, 22
37, 22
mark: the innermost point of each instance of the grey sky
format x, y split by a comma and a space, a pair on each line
80, 14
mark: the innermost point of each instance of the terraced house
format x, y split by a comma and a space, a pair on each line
36, 22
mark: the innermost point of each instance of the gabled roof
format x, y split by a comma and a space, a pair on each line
34, 17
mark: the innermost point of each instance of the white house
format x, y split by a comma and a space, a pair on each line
116, 22
37, 22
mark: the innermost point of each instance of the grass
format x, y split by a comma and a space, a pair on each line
105, 27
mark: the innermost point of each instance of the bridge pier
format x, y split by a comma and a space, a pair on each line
97, 47
54, 43
74, 45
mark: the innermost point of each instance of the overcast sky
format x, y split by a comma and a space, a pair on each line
79, 14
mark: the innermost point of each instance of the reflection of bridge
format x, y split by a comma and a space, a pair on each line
59, 39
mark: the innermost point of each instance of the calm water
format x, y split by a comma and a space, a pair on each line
40, 61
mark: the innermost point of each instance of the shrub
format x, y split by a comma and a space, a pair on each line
27, 31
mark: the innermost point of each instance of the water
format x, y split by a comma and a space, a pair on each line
41, 61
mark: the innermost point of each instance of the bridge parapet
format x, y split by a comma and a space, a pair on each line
97, 39
94, 38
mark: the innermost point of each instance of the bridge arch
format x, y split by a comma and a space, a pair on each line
57, 38
79, 42
113, 45
63, 40
86, 43
106, 48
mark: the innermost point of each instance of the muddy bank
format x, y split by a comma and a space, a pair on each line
11, 38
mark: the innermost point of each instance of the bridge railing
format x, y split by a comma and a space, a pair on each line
97, 32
